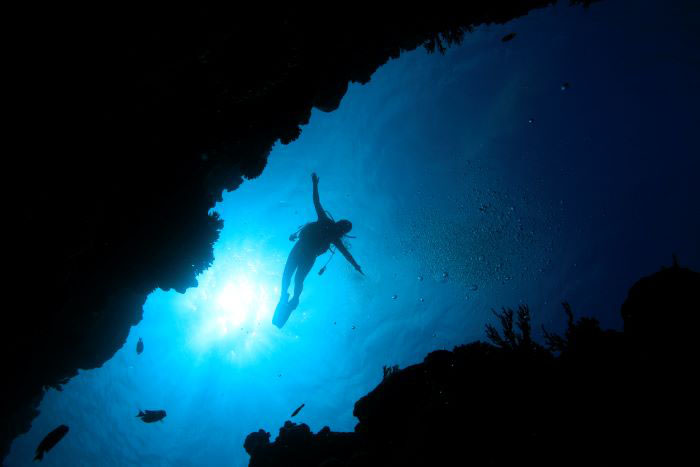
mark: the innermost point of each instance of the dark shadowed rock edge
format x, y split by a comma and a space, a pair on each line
122, 130
589, 397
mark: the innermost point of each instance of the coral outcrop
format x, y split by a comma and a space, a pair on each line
588, 397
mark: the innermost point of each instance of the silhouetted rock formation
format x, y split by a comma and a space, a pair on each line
592, 397
126, 126
296, 444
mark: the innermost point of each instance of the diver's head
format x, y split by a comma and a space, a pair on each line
344, 226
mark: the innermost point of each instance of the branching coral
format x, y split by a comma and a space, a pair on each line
511, 339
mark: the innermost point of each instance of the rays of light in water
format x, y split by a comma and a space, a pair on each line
231, 309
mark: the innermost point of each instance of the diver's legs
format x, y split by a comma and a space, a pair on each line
289, 267
304, 266
282, 310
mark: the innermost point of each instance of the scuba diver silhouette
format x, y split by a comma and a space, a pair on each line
314, 239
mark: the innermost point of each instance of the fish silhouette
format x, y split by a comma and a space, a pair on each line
150, 416
298, 409
50, 441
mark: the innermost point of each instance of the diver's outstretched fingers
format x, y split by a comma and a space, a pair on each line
314, 177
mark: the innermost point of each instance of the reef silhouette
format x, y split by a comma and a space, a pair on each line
126, 130
588, 397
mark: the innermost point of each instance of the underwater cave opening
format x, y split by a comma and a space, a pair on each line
458, 204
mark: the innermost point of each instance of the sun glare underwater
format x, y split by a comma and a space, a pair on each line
473, 180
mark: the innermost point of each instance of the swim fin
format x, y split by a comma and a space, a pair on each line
282, 313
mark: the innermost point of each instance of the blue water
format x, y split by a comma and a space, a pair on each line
439, 169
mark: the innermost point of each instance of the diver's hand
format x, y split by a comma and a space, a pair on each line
358, 268
314, 177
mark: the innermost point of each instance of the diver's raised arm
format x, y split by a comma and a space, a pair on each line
341, 248
320, 212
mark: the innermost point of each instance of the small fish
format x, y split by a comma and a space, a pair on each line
139, 347
565, 85
298, 409
50, 441
150, 416
508, 37
394, 297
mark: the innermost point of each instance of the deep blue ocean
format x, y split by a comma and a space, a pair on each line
474, 180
